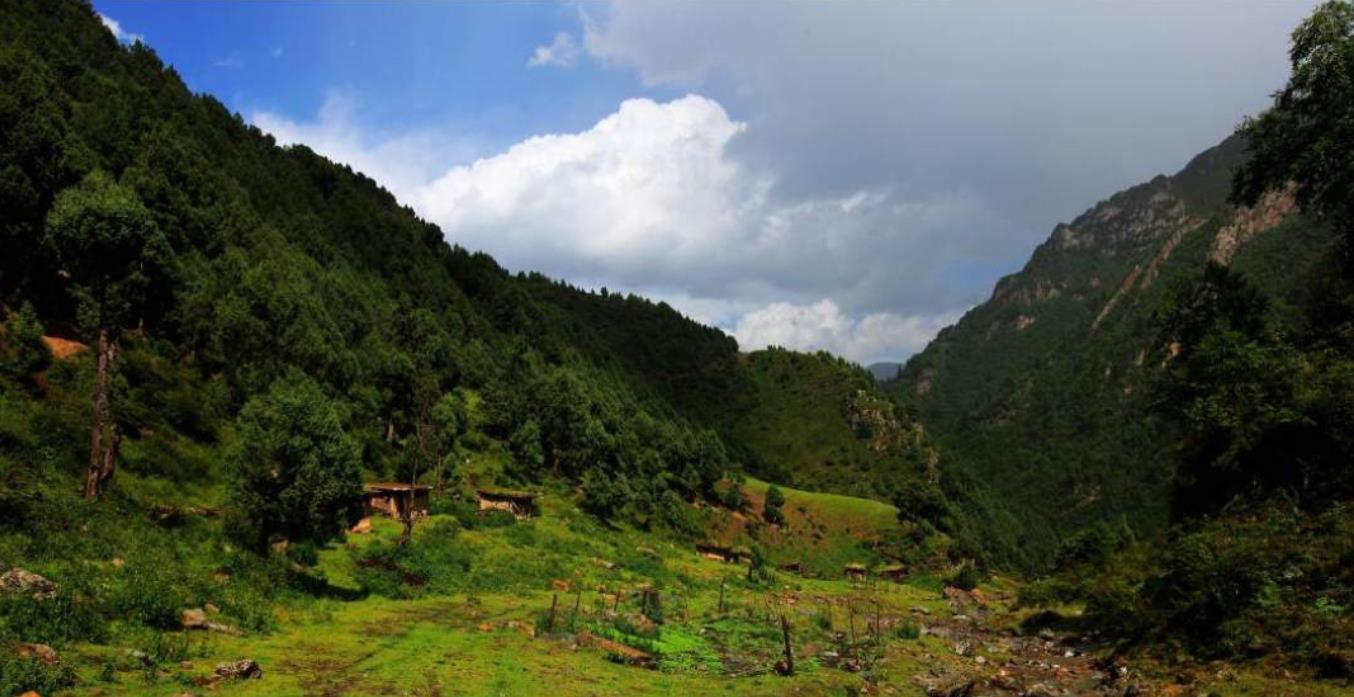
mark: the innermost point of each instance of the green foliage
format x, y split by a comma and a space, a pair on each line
22, 351
732, 495
53, 621
18, 676
1306, 137
106, 239
294, 471
773, 506
603, 494
760, 572
967, 577
435, 561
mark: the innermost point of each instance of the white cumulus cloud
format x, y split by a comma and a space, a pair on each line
561, 52
400, 162
115, 27
823, 326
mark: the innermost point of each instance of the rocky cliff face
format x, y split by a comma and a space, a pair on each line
1038, 391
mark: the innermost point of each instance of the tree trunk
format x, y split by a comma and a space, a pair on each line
789, 653
98, 459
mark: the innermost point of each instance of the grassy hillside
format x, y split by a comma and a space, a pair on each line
823, 422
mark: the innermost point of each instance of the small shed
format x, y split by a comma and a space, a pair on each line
522, 504
894, 572
792, 567
719, 552
856, 572
395, 499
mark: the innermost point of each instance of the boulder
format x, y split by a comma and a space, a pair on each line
952, 687
21, 581
243, 669
194, 618
40, 652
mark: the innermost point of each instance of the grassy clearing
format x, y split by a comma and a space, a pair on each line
485, 629
482, 637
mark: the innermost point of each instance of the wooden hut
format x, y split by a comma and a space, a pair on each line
894, 572
792, 567
522, 504
717, 552
395, 499
856, 572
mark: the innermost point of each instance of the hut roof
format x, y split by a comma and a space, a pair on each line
892, 568
855, 567
495, 493
394, 486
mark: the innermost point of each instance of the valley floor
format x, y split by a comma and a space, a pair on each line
873, 637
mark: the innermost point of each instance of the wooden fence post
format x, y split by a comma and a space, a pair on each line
554, 603
851, 612
789, 653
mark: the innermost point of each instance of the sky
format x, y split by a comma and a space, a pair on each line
846, 176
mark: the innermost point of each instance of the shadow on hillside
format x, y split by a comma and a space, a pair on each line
319, 587
1054, 621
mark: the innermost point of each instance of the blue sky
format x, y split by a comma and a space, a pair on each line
411, 65
848, 176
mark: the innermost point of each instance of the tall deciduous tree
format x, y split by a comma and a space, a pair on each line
109, 245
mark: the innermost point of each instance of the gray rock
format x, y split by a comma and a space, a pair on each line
243, 669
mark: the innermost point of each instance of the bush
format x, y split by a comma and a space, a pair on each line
909, 631
148, 595
18, 676
383, 570
57, 620
434, 561
967, 577
773, 510
22, 351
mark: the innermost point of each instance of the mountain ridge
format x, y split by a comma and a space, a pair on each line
1071, 331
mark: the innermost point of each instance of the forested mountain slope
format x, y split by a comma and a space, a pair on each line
1040, 392
227, 264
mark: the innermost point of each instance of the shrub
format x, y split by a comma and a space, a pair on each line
967, 577
382, 570
18, 676
773, 510
56, 620
909, 631
759, 572
148, 595
22, 351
